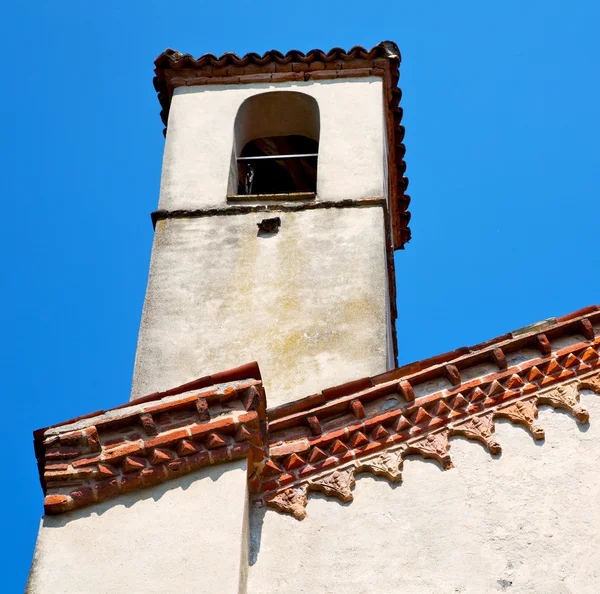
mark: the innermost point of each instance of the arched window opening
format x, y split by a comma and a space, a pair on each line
278, 165
276, 146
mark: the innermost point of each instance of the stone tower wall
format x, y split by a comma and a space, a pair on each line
311, 302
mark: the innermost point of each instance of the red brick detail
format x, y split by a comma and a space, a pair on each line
219, 455
590, 355
63, 453
160, 456
56, 504
314, 425
82, 496
440, 409
244, 434
289, 448
147, 422
358, 439
214, 441
420, 416
457, 402
515, 381
534, 374
586, 328
358, 409
107, 471
401, 424
477, 395
553, 368
405, 388
132, 463
499, 358
271, 469
250, 398
494, 388
570, 361
107, 489
380, 432
56, 467
186, 448
293, 462
113, 456
452, 374
219, 424
167, 439
287, 76
317, 454
339, 447
202, 409
543, 344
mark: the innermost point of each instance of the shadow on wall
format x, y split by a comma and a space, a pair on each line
257, 514
129, 499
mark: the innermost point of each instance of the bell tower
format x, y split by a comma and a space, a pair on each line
282, 199
281, 204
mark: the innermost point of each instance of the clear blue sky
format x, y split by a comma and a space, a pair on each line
501, 111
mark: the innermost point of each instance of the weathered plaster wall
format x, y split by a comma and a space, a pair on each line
200, 136
181, 536
527, 522
308, 303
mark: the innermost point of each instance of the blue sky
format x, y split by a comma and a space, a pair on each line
501, 112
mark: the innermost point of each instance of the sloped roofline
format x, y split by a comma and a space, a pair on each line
322, 441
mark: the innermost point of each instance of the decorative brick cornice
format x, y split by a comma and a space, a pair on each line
371, 425
152, 440
321, 442
174, 69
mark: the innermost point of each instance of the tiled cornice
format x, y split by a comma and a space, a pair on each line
152, 440
371, 425
321, 442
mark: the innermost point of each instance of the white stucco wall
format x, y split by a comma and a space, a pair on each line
309, 303
186, 535
200, 136
525, 523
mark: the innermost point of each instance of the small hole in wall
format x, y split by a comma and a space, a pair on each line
269, 227
389, 404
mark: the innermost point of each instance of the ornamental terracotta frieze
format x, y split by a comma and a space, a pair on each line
435, 445
322, 442
151, 440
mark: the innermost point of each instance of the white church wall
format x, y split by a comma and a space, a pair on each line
185, 535
527, 522
308, 303
198, 150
